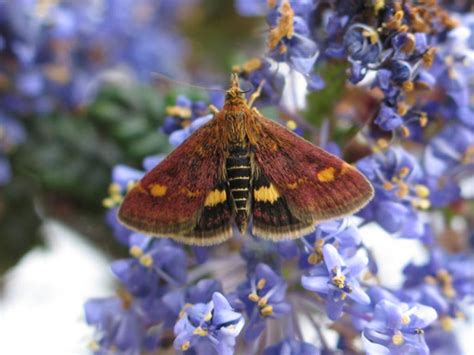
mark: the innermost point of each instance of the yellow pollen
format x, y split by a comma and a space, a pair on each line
201, 332
284, 27
428, 57
387, 185
94, 346
371, 35
403, 28
215, 197
251, 65
460, 315
326, 175
422, 191
261, 283
136, 251
446, 323
185, 346
266, 311
182, 313
378, 5
430, 280
407, 86
178, 111
58, 73
397, 339
262, 302
447, 283
423, 119
290, 124
403, 190
339, 281
158, 190
399, 15
409, 45
468, 157
108, 202
343, 296
114, 188
405, 131
405, 319
314, 258
422, 203
404, 171
382, 143
208, 317
402, 109
253, 297
271, 3
146, 260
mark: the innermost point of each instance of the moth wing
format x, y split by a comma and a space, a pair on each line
313, 184
183, 197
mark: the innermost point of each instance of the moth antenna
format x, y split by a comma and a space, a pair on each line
178, 82
255, 95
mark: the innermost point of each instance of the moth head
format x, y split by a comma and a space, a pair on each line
235, 93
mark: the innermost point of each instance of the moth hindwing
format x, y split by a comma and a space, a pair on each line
241, 166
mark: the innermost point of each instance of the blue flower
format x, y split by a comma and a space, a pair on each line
289, 38
340, 231
292, 347
123, 179
388, 119
173, 302
255, 71
183, 113
400, 191
443, 283
214, 323
263, 295
336, 280
120, 325
397, 328
448, 158
362, 45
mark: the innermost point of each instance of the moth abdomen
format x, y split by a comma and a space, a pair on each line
239, 173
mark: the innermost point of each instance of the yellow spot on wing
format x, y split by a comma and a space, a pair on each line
215, 197
326, 175
190, 193
266, 194
345, 168
158, 190
292, 185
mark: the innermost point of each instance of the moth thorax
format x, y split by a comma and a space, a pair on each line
235, 129
238, 176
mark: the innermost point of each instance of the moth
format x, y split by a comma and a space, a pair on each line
238, 167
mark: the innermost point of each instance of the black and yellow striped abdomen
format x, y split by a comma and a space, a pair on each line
238, 176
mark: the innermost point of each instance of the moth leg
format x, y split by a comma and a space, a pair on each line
214, 110
256, 93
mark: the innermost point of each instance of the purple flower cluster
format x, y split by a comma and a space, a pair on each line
257, 296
